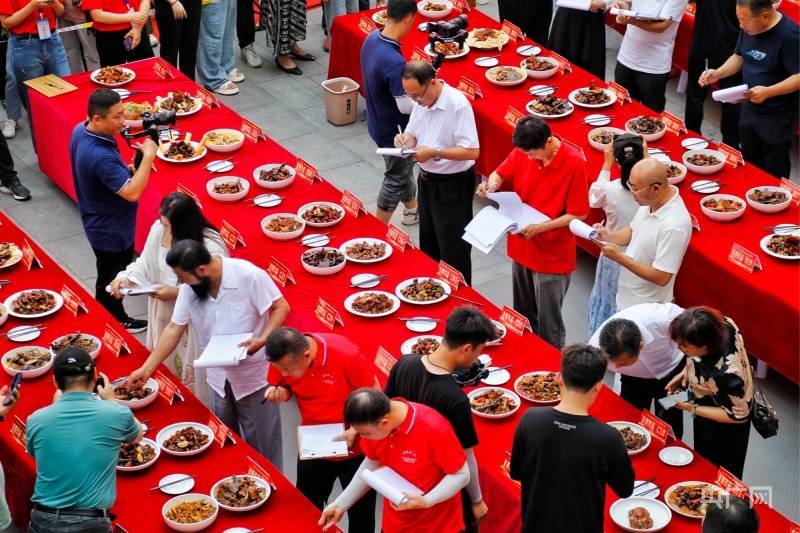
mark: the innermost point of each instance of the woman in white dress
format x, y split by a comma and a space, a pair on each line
181, 218
613, 197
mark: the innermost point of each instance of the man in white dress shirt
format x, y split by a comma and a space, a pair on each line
639, 347
656, 238
443, 134
225, 296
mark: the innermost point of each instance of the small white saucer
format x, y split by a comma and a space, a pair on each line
421, 326
423, 27
164, 135
177, 488
267, 200
644, 488
315, 240
711, 188
358, 278
25, 337
486, 359
694, 143
675, 456
498, 377
219, 166
542, 90
486, 62
527, 50
597, 120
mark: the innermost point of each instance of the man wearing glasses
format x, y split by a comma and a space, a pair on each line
442, 133
656, 239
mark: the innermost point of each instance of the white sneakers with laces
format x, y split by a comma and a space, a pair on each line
250, 56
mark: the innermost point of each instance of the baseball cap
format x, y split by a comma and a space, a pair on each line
72, 362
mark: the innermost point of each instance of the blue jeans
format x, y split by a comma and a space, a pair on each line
42, 522
215, 46
31, 58
13, 103
334, 8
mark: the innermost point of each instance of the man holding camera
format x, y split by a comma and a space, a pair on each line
108, 192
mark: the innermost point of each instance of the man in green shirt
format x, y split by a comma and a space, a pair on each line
75, 442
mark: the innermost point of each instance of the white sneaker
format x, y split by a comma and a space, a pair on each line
9, 128
250, 56
153, 41
236, 75
228, 89
410, 216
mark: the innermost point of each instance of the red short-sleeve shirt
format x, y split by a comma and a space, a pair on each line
423, 450
557, 189
112, 6
9, 7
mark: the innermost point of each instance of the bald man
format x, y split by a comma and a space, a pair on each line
656, 239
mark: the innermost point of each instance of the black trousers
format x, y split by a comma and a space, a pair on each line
724, 445
109, 264
767, 141
532, 16
111, 48
315, 479
696, 97
179, 37
649, 89
245, 23
644, 392
7, 171
445, 209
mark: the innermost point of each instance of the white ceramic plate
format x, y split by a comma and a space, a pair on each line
598, 120
198, 105
227, 198
659, 512
11, 299
16, 256
643, 488
220, 165
496, 377
332, 205
348, 304
704, 187
132, 74
226, 148
765, 240
619, 424
162, 155
541, 90
464, 51
369, 240
527, 50
171, 429
477, 392
403, 284
157, 451
672, 489
358, 278
261, 484
25, 337
177, 488
4, 316
267, 200
315, 240
486, 62
676, 456
522, 73
197, 526
529, 108
376, 17
503, 332
95, 342
408, 344
27, 374
694, 143
539, 402
151, 383
423, 325
273, 184
572, 98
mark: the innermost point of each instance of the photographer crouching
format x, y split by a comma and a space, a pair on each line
108, 192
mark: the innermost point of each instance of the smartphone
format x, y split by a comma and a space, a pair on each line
668, 402
13, 388
128, 43
100, 383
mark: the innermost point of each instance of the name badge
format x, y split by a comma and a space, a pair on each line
43, 27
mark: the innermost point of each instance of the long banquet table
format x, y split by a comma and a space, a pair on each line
525, 353
706, 277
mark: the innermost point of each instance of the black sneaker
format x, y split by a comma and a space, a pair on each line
16, 189
134, 325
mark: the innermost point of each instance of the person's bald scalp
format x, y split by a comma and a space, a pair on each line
650, 170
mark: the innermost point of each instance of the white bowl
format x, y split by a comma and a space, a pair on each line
704, 170
197, 526
541, 74
162, 155
676, 456
260, 482
227, 198
523, 76
369, 240
273, 184
600, 146
649, 137
171, 429
95, 341
132, 74
659, 512
403, 284
27, 374
144, 402
348, 304
9, 303
434, 15
157, 451
477, 392
225, 148
3, 314
612, 97
722, 217
676, 180
769, 208
323, 271
332, 205
287, 236
619, 424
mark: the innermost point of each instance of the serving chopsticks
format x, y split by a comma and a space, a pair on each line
21, 332
504, 368
466, 300
698, 142
310, 241
159, 487
783, 228
363, 282
598, 120
544, 90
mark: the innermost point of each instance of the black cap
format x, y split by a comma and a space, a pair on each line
72, 362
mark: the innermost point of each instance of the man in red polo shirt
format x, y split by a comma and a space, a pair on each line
418, 444
321, 370
549, 175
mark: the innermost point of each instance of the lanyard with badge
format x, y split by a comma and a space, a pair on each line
43, 26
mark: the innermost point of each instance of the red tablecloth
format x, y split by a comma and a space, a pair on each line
706, 276
137, 508
526, 353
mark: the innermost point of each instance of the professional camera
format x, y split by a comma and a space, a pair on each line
449, 28
152, 126
453, 31
470, 377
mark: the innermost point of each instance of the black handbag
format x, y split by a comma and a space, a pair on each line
764, 416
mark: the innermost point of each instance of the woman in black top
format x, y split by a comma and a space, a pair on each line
580, 37
719, 376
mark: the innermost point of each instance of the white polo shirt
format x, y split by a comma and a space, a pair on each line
447, 123
647, 51
242, 305
660, 355
659, 239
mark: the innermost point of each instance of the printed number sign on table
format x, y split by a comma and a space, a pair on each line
732, 156
18, 431
256, 470
470, 89
279, 272
512, 116
221, 432
29, 256
72, 301
744, 258
659, 429
366, 24
793, 188
623, 96
167, 389
208, 99
512, 30
418, 54
732, 484
505, 468
252, 132
162, 70
397, 238
188, 192
114, 341
563, 64
230, 235
384, 361
461, 5
327, 314
352, 204
673, 124
306, 171
452, 276
514, 321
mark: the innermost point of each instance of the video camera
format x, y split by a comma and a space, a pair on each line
452, 31
471, 376
152, 126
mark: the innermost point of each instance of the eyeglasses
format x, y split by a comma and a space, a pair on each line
419, 98
635, 191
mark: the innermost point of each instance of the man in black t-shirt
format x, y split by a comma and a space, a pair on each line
768, 56
429, 380
564, 457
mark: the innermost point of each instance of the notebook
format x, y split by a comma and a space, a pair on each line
316, 442
489, 226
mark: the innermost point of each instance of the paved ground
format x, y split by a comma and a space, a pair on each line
291, 110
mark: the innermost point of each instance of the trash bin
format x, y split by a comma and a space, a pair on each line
341, 101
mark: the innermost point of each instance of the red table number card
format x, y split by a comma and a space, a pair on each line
512, 116
18, 431
188, 192
563, 64
470, 89
398, 238
512, 30
659, 429
623, 96
72, 302
732, 156
116, 528
252, 132
514, 321
366, 24
279, 272
306, 171
230, 235
793, 188
327, 314
209, 100
418, 54
167, 389
114, 341
674, 124
691, 8
384, 361
256, 470
29, 256
744, 258
162, 70
461, 5
352, 204
220, 431
795, 529
452, 276
732, 484
505, 468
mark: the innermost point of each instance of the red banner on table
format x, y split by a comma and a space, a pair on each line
514, 321
418, 54
793, 188
327, 314
352, 204
72, 302
278, 272
452, 276
252, 132
29, 256
732, 484
306, 171
209, 100
398, 238
505, 468
230, 235
744, 258
113, 341
162, 70
563, 64
623, 96
732, 156
512, 30
167, 389
384, 361
512, 116
695, 222
659, 429
674, 124
366, 24
221, 432
18, 431
188, 192
470, 89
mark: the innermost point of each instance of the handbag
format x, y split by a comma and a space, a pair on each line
764, 416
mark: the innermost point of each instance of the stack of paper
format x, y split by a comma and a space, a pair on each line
316, 442
731, 95
491, 224
395, 152
583, 230
389, 484
223, 350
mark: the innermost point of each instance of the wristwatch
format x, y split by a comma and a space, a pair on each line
438, 156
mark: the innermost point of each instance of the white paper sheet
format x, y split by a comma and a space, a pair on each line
389, 484
223, 350
135, 291
582, 5
731, 95
489, 226
395, 152
316, 441
582, 229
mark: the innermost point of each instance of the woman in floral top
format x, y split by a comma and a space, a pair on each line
719, 376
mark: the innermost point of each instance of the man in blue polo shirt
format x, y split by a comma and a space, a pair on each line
388, 107
108, 192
